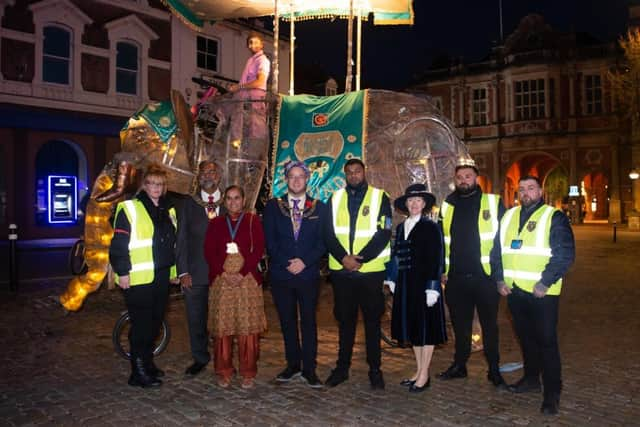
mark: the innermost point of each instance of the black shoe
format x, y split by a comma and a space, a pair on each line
550, 404
419, 389
337, 376
195, 368
288, 374
154, 371
140, 377
454, 371
495, 377
311, 379
407, 382
526, 385
376, 380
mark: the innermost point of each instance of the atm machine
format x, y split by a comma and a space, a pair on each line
62, 199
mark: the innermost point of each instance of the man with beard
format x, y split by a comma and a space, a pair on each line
470, 222
357, 237
193, 269
536, 249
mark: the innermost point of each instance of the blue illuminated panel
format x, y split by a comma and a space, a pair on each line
62, 199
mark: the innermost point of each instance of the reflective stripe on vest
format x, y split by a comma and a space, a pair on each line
366, 227
141, 242
524, 266
487, 228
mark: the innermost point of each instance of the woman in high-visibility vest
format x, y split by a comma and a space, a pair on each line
142, 255
233, 246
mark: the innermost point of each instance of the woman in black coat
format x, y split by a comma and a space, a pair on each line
414, 271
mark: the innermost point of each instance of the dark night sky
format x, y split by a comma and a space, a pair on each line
465, 28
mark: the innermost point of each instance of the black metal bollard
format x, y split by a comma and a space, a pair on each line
615, 231
13, 259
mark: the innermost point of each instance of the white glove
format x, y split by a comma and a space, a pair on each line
432, 297
390, 284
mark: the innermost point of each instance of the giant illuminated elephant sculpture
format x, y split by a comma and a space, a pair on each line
408, 140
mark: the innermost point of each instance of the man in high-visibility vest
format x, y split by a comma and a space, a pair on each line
470, 220
357, 236
536, 249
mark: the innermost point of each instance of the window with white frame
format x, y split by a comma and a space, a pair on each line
529, 99
207, 53
127, 66
56, 55
593, 94
479, 103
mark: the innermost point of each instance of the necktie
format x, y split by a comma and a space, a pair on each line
297, 218
211, 208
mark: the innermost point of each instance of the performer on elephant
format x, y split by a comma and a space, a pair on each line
142, 254
252, 88
233, 247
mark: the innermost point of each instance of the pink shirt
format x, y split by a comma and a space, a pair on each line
258, 63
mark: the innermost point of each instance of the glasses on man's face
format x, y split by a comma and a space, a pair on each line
154, 184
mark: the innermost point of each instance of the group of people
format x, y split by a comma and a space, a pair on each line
476, 253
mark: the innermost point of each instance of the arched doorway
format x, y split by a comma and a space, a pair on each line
58, 157
547, 168
595, 191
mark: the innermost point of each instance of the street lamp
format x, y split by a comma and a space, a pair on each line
634, 215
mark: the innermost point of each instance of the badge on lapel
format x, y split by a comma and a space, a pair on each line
531, 225
486, 214
365, 211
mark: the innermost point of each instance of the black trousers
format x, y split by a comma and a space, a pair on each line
146, 305
463, 294
291, 297
196, 302
536, 321
350, 292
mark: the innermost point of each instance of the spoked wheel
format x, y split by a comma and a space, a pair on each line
385, 322
77, 264
120, 337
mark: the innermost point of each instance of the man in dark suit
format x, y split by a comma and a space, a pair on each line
293, 233
193, 270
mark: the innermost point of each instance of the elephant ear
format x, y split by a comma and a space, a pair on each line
185, 122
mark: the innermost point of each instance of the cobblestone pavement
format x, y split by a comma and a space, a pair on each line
60, 369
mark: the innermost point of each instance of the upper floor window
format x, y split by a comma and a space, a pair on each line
479, 107
207, 53
529, 99
593, 94
127, 68
56, 55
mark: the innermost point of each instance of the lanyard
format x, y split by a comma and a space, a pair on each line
233, 231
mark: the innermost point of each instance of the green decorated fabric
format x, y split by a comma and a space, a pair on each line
160, 117
323, 132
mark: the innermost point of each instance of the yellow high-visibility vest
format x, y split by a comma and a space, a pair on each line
487, 226
141, 242
524, 266
366, 226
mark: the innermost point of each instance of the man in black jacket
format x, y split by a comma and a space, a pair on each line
357, 237
536, 249
193, 269
470, 220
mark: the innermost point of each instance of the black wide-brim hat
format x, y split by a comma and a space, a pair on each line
415, 190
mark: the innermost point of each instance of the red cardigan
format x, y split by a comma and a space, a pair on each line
218, 235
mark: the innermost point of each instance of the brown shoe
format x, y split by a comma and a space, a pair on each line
224, 382
247, 383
